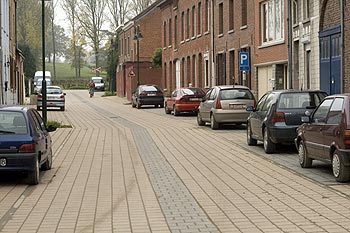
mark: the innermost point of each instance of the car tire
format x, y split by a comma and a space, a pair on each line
133, 104
213, 123
176, 112
340, 171
304, 160
269, 146
48, 163
167, 110
62, 108
138, 105
161, 105
250, 141
33, 176
200, 122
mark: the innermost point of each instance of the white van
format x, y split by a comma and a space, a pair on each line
99, 83
39, 84
39, 75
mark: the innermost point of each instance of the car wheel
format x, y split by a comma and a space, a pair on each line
33, 176
138, 105
38, 108
304, 160
269, 146
48, 163
200, 122
340, 171
213, 123
250, 141
176, 112
133, 104
62, 108
161, 105
167, 110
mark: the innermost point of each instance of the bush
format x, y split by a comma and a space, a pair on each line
57, 124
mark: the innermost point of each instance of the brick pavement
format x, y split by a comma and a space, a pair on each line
111, 171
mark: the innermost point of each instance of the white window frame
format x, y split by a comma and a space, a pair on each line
269, 33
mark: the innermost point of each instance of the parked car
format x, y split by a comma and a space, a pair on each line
55, 97
325, 136
278, 115
25, 144
225, 104
149, 94
186, 99
99, 83
39, 84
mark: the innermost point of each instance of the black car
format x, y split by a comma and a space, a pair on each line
25, 142
278, 115
147, 95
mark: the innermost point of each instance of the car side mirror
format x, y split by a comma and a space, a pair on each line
51, 128
250, 109
305, 119
64, 93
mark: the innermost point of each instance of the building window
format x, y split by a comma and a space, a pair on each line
188, 24
183, 26
175, 32
170, 32
230, 15
221, 18
244, 12
308, 69
306, 9
207, 15
194, 24
164, 34
232, 67
295, 12
272, 21
199, 18
128, 45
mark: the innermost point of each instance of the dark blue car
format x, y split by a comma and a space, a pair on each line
25, 143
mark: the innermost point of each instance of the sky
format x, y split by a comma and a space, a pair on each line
60, 16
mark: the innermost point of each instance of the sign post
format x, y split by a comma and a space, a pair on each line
244, 61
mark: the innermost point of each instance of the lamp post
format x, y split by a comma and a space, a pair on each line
43, 89
137, 37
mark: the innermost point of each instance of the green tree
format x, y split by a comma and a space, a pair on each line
157, 57
112, 62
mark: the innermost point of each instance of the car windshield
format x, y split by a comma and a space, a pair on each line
54, 91
97, 80
150, 88
230, 94
300, 100
12, 123
40, 82
192, 91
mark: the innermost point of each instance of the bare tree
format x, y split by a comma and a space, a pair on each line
119, 12
70, 8
53, 33
91, 18
137, 6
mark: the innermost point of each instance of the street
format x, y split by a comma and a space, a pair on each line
122, 169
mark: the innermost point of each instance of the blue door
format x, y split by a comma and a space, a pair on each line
330, 60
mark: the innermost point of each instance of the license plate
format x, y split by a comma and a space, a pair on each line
237, 106
151, 94
50, 98
195, 99
2, 162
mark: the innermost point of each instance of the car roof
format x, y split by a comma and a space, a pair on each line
232, 86
295, 91
17, 108
53, 87
96, 78
339, 95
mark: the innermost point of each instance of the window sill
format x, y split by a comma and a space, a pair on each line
231, 31
164, 48
206, 33
182, 42
243, 27
175, 49
169, 46
187, 40
307, 20
175, 8
272, 43
220, 35
199, 35
193, 37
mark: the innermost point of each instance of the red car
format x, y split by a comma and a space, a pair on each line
186, 99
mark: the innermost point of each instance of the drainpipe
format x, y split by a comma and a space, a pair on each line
1, 58
342, 43
290, 47
213, 81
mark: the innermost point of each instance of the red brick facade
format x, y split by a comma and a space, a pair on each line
150, 28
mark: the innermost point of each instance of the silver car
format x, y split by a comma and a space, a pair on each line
55, 97
225, 104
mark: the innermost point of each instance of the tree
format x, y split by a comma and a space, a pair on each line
91, 18
112, 61
157, 57
137, 6
119, 12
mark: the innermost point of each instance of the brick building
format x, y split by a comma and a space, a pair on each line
334, 39
131, 68
233, 33
186, 43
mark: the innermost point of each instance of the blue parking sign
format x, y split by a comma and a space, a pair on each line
244, 61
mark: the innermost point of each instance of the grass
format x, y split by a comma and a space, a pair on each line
57, 124
64, 71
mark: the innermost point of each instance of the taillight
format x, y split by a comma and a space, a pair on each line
62, 96
218, 103
143, 93
27, 148
159, 93
347, 137
277, 117
40, 96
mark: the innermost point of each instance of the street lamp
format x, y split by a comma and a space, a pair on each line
43, 88
137, 37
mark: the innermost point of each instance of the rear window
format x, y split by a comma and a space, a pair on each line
192, 91
300, 100
231, 94
150, 88
54, 91
97, 80
12, 123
